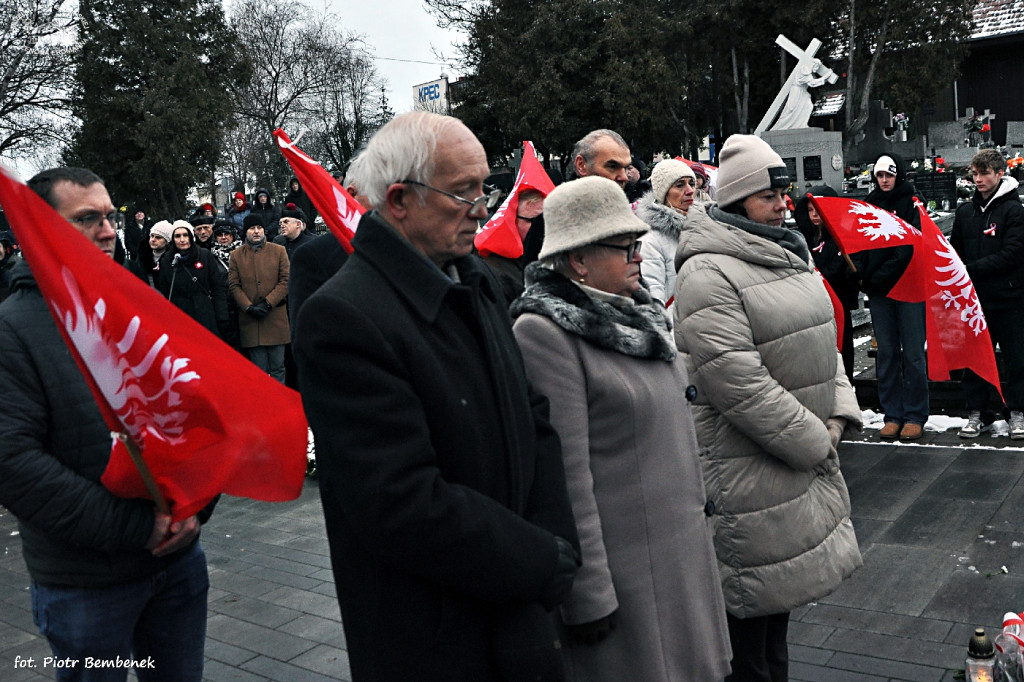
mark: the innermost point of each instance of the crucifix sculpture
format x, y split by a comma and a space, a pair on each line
798, 107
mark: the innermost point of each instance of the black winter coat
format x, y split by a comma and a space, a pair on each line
54, 446
313, 263
441, 478
200, 287
828, 258
989, 237
879, 269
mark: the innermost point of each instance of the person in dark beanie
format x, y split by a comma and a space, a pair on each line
258, 281
756, 328
225, 241
296, 195
901, 364
202, 227
263, 206
831, 263
293, 229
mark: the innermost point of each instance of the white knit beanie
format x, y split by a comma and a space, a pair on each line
187, 225
162, 229
885, 163
585, 211
666, 173
747, 165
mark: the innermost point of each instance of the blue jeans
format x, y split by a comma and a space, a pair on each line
901, 366
270, 359
158, 623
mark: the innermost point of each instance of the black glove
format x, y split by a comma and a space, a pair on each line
561, 582
592, 632
259, 310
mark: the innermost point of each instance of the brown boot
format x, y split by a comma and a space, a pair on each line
911, 431
891, 431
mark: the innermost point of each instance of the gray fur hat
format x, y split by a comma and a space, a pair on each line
585, 211
748, 165
666, 173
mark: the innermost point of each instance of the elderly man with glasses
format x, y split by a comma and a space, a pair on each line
450, 528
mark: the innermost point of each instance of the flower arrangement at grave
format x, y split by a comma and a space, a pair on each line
964, 188
901, 121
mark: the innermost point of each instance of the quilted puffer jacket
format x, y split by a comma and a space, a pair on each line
757, 332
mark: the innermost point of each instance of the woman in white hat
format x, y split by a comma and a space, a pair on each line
664, 209
647, 602
756, 328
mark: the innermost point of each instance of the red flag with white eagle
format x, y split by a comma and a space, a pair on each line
500, 235
859, 226
338, 208
957, 332
158, 375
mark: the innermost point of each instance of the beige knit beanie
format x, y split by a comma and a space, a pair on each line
162, 229
666, 173
585, 211
747, 165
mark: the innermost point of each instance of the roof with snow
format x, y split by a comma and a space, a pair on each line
998, 17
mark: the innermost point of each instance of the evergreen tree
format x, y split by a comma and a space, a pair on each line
152, 97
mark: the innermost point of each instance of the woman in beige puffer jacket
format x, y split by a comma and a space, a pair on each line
756, 329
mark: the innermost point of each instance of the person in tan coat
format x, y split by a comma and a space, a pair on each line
258, 281
756, 328
647, 603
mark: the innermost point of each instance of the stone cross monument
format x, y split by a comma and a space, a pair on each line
794, 93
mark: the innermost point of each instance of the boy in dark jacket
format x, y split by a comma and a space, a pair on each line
988, 234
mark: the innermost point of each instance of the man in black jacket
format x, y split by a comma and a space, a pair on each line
988, 234
112, 578
443, 490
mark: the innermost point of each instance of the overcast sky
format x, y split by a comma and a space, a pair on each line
399, 30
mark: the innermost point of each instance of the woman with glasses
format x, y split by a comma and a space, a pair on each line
647, 603
192, 279
756, 328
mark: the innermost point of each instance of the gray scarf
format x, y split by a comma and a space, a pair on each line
639, 330
791, 240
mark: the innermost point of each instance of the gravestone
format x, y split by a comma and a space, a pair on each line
1015, 134
937, 187
879, 137
813, 156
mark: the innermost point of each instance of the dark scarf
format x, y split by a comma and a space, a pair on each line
256, 245
639, 330
791, 240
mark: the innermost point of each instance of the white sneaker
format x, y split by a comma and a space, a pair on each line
1017, 425
973, 427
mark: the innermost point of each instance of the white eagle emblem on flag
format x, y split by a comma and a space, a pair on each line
957, 290
876, 223
122, 383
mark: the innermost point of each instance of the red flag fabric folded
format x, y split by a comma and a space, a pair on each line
837, 311
338, 208
957, 332
159, 376
500, 235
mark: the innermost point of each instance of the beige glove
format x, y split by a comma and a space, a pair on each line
830, 465
835, 426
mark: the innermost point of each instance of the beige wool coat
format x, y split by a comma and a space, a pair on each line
756, 328
254, 276
635, 483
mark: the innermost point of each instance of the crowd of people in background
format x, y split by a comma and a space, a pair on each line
610, 453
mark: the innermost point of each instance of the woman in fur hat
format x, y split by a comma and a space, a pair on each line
647, 602
756, 328
664, 209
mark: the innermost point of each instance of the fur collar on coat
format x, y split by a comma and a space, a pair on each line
659, 217
639, 330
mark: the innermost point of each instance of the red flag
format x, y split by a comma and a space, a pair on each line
159, 376
837, 311
957, 332
339, 209
500, 235
859, 226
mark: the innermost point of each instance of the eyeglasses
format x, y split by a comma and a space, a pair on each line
91, 221
630, 249
489, 200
